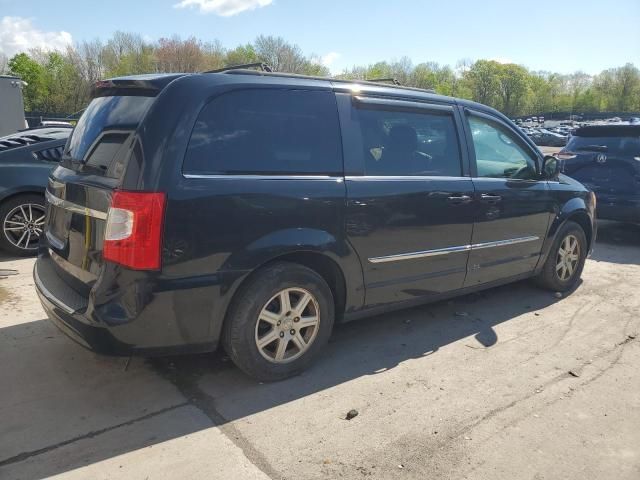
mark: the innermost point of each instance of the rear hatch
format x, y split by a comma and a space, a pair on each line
80, 190
606, 160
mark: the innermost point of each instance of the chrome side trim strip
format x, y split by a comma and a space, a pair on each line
448, 250
74, 207
425, 253
48, 295
503, 243
264, 177
379, 178
326, 177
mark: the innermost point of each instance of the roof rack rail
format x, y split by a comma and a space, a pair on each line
265, 67
324, 79
382, 80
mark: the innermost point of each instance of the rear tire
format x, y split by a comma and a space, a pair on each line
566, 259
21, 224
279, 321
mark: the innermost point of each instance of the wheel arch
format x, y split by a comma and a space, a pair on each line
575, 210
7, 195
332, 258
581, 217
322, 264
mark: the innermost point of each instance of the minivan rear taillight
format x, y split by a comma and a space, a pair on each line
133, 235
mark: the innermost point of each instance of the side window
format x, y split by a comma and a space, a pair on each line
267, 131
409, 143
498, 154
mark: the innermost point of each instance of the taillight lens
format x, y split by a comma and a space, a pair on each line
133, 235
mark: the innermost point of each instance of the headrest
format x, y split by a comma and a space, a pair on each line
403, 137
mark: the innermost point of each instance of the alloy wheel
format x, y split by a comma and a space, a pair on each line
287, 325
23, 225
568, 258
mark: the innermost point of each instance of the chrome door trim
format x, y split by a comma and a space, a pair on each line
448, 250
264, 177
422, 254
503, 243
74, 207
379, 178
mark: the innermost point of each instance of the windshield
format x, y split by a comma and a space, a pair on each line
614, 145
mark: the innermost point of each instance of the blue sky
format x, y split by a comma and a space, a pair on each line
561, 35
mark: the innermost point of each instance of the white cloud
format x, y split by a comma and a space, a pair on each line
18, 34
328, 59
224, 8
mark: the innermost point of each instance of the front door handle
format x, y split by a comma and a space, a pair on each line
490, 199
459, 199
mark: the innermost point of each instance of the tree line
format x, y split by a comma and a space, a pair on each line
61, 81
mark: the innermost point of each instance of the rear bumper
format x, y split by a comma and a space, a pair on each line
93, 338
148, 334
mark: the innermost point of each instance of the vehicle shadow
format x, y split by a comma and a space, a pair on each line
107, 394
614, 242
5, 257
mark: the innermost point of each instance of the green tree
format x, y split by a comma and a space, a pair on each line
425, 75
62, 81
33, 74
241, 55
482, 79
128, 54
626, 87
512, 88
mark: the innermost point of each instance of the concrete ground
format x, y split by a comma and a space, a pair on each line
511, 383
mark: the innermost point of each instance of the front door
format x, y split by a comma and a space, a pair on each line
409, 208
514, 205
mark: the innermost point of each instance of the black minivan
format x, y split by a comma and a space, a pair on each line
254, 210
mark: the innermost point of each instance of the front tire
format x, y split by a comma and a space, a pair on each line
565, 262
21, 224
279, 321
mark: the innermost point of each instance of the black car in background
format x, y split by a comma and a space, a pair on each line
26, 159
255, 210
547, 138
606, 159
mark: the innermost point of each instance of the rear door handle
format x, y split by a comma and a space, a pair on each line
459, 199
491, 199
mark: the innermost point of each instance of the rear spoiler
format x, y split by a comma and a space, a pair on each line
135, 85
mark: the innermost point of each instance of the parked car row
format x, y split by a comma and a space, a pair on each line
558, 134
546, 137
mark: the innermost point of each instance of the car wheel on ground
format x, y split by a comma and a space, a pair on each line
566, 259
22, 221
279, 321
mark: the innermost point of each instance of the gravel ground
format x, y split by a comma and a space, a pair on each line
510, 383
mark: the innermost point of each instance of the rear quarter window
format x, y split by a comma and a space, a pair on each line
270, 132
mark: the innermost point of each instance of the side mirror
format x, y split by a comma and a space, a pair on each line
550, 167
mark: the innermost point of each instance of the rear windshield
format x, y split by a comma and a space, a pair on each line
614, 145
103, 131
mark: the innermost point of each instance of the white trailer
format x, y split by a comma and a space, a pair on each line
11, 105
